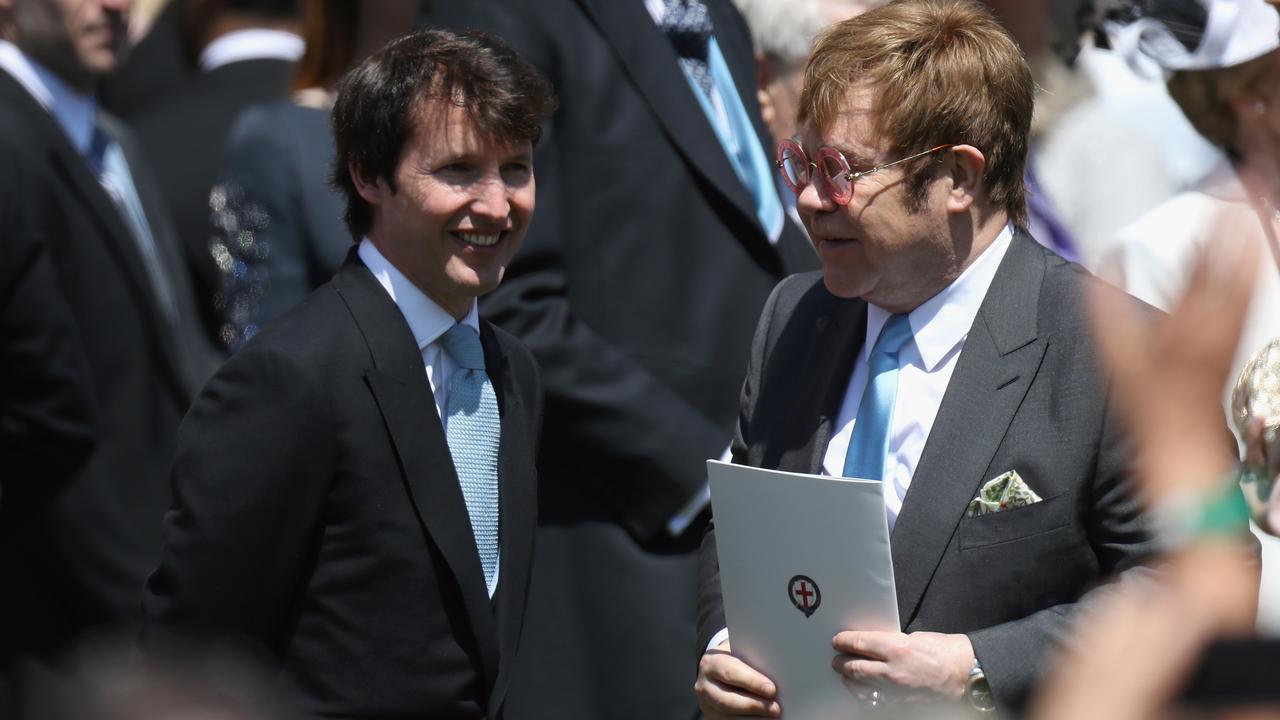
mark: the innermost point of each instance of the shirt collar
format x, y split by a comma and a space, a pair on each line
657, 10
943, 322
76, 112
252, 44
427, 320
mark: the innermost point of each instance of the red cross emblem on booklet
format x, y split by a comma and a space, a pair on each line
804, 594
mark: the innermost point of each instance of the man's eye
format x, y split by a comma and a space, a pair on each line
456, 168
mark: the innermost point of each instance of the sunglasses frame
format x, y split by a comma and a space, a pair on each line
810, 168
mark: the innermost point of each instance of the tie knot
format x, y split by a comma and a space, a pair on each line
895, 334
688, 26
462, 342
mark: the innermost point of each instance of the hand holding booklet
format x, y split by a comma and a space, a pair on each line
802, 557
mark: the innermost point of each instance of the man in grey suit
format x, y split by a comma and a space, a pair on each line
942, 351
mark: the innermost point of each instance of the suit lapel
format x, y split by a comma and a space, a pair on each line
76, 174
651, 63
818, 382
399, 383
517, 515
173, 261
996, 367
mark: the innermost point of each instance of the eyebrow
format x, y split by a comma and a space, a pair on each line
853, 156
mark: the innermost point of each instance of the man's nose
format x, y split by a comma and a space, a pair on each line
813, 199
491, 196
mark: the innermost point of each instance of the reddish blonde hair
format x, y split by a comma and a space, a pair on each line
944, 71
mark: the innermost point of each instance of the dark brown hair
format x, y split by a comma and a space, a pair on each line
1205, 96
944, 71
379, 101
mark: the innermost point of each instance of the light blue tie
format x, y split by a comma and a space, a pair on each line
473, 432
107, 158
870, 442
741, 144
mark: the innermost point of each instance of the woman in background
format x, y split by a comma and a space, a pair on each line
277, 222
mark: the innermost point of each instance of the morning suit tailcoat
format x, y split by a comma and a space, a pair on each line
318, 519
637, 289
185, 136
1026, 395
78, 536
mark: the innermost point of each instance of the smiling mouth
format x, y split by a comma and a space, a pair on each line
480, 239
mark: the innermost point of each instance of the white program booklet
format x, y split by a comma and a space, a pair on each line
802, 557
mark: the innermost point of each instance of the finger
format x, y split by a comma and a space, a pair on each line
867, 643
733, 672
862, 671
716, 698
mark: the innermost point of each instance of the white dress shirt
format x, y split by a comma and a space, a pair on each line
76, 112
925, 364
251, 44
428, 322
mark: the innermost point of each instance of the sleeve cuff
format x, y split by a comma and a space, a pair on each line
684, 517
717, 639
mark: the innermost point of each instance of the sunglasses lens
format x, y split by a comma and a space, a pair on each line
795, 168
836, 174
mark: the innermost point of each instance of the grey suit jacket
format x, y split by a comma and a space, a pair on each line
1027, 395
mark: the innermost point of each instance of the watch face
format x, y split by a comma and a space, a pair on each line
979, 692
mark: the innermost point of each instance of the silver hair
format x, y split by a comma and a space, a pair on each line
783, 29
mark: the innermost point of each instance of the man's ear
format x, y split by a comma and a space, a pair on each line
374, 190
966, 166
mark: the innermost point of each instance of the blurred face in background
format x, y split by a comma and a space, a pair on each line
780, 78
1257, 122
79, 40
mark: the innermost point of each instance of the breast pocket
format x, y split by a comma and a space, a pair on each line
1015, 524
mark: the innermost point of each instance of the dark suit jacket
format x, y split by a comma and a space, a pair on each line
278, 159
47, 414
637, 289
317, 516
1026, 395
77, 558
184, 138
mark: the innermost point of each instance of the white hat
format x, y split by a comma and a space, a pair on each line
1234, 32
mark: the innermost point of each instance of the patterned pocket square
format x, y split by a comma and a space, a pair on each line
1003, 493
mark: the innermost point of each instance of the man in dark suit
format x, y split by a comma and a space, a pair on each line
659, 236
244, 52
939, 350
354, 491
80, 530
47, 411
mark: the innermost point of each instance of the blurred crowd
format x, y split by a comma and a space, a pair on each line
167, 191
